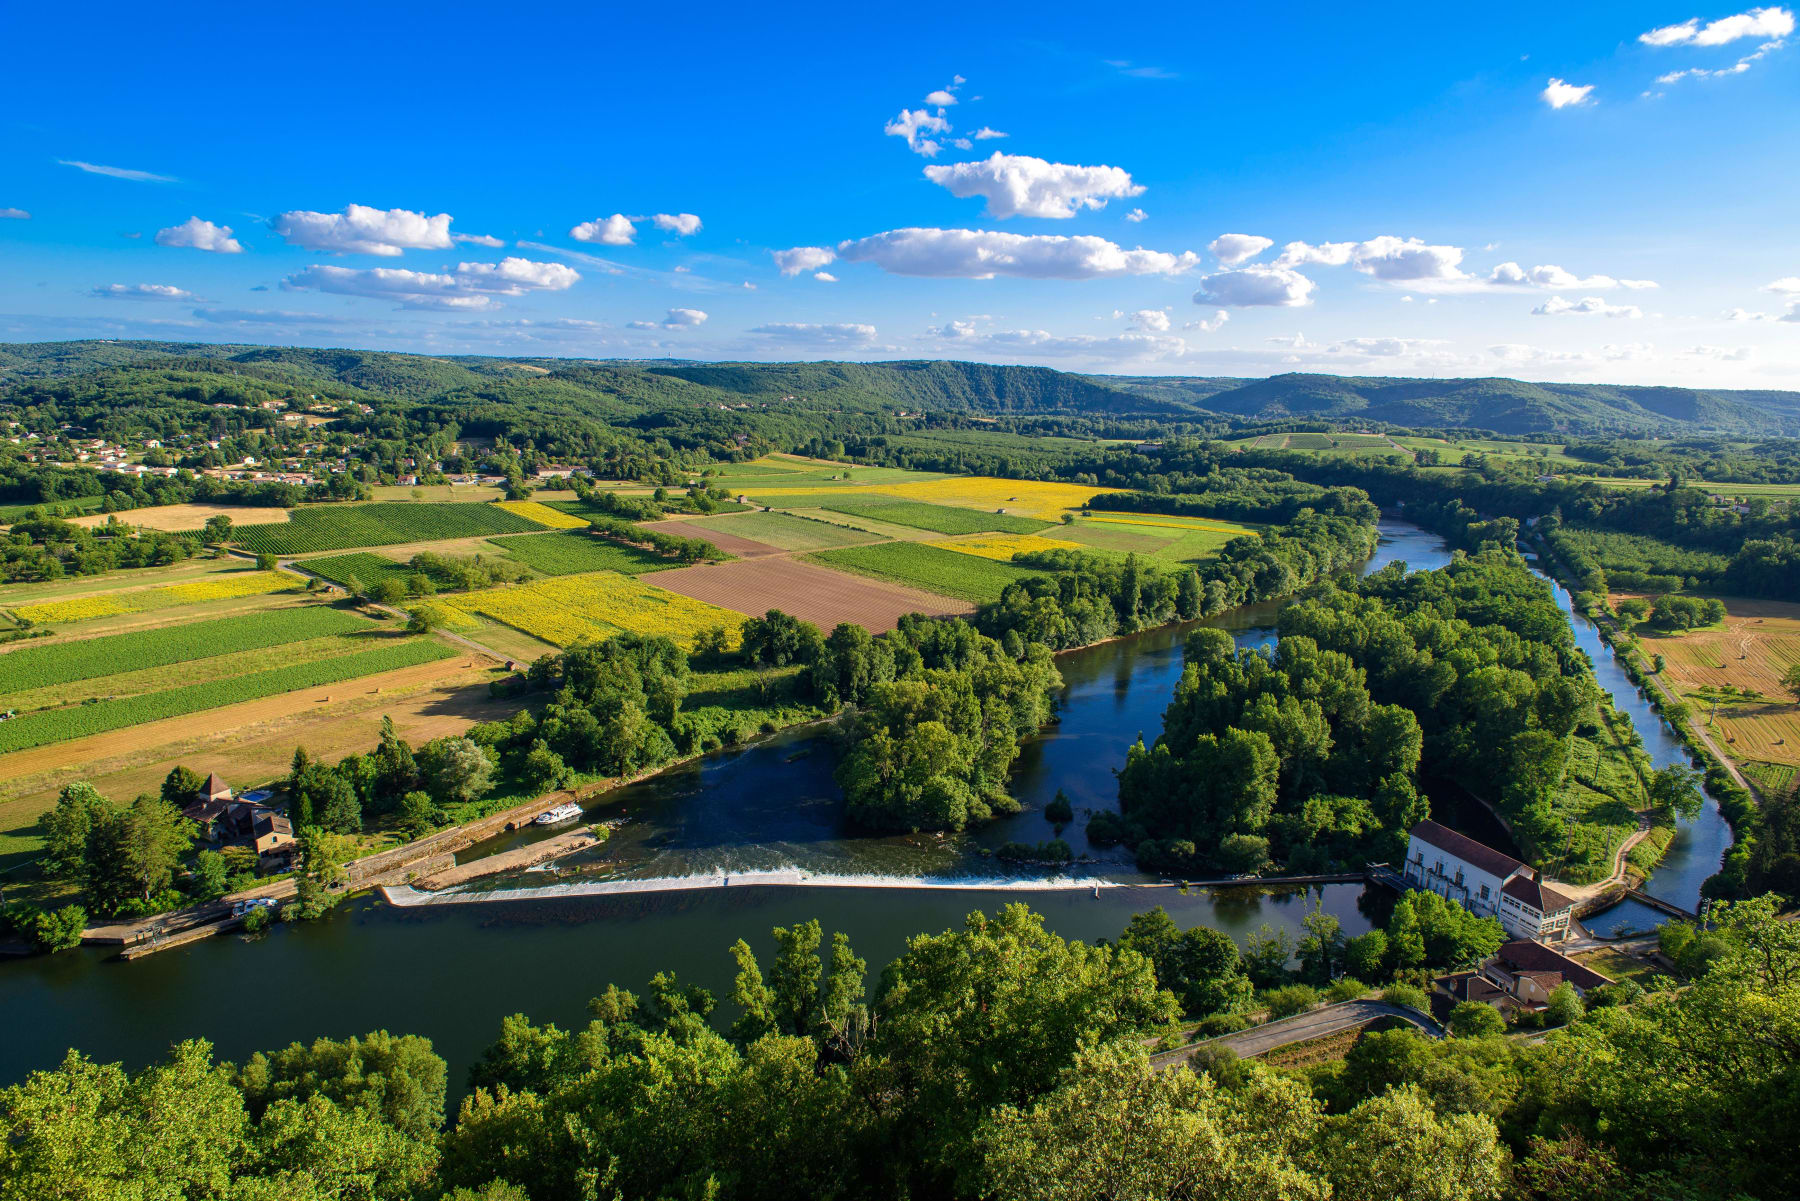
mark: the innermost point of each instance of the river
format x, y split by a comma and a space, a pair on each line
451, 972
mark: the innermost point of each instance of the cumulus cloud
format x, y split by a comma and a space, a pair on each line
1385, 257
143, 292
1756, 23
984, 254
471, 286
616, 230
1209, 325
803, 258
913, 125
488, 240
117, 172
834, 333
1018, 185
1254, 286
360, 229
14, 215
1566, 95
984, 134
824, 277
1557, 279
1154, 321
676, 319
941, 98
967, 338
195, 234
1786, 286
1136, 215
679, 224
1561, 306
1232, 249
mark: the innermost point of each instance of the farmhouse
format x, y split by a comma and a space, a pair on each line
1521, 976
228, 821
1484, 881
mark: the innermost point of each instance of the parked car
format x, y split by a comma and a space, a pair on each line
240, 908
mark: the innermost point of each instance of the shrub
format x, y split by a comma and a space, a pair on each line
1290, 999
1565, 1006
1407, 996
57, 929
1220, 1023
1345, 988
1472, 1019
1059, 810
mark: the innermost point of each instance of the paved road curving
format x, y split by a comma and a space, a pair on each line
1300, 1028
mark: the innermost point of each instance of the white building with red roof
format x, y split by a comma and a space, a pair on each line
1484, 881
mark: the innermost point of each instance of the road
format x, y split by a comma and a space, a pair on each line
1300, 1028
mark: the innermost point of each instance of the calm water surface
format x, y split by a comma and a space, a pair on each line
451, 972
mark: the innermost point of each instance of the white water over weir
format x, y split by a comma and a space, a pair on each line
406, 896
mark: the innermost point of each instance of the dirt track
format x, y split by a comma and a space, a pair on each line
813, 593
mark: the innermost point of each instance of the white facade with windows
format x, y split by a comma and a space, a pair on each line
1484, 881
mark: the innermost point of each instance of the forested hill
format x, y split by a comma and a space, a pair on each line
81, 379
1507, 406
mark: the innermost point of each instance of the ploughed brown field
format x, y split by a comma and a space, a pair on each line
805, 590
743, 548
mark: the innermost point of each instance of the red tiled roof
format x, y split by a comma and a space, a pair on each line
1524, 957
1496, 863
1536, 894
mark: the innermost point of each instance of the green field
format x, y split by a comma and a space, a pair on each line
368, 570
92, 658
571, 552
71, 507
928, 568
79, 721
345, 527
939, 519
785, 530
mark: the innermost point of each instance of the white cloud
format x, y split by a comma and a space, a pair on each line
1565, 95
965, 337
1254, 286
913, 125
1153, 321
195, 234
1216, 323
1757, 23
1136, 215
825, 277
1383, 348
803, 258
1559, 306
679, 224
472, 286
360, 229
984, 254
488, 240
14, 215
1726, 354
684, 317
984, 133
143, 292
1557, 279
940, 98
1232, 249
116, 172
1385, 257
836, 333
615, 230
1018, 185
1745, 315
1786, 286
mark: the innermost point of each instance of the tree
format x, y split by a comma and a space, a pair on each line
218, 528
1564, 1006
1200, 965
1365, 956
212, 877
55, 930
267, 562
389, 591
181, 786
69, 825
1790, 680
777, 639
418, 814
542, 769
455, 770
1321, 948
1059, 811
322, 797
1472, 1019
1397, 1146
322, 858
396, 1078
426, 618
1677, 789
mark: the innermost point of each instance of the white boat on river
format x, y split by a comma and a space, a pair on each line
567, 811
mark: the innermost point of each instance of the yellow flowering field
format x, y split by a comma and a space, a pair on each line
1004, 546
1045, 500
566, 609
220, 587
544, 515
1173, 523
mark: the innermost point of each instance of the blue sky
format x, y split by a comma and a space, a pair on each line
1582, 192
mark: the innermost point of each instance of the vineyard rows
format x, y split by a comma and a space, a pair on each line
80, 721
91, 658
345, 527
940, 519
926, 567
571, 552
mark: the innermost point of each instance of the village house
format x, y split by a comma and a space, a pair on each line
1520, 977
227, 820
1484, 881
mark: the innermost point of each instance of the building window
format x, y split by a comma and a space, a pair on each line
1484, 892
